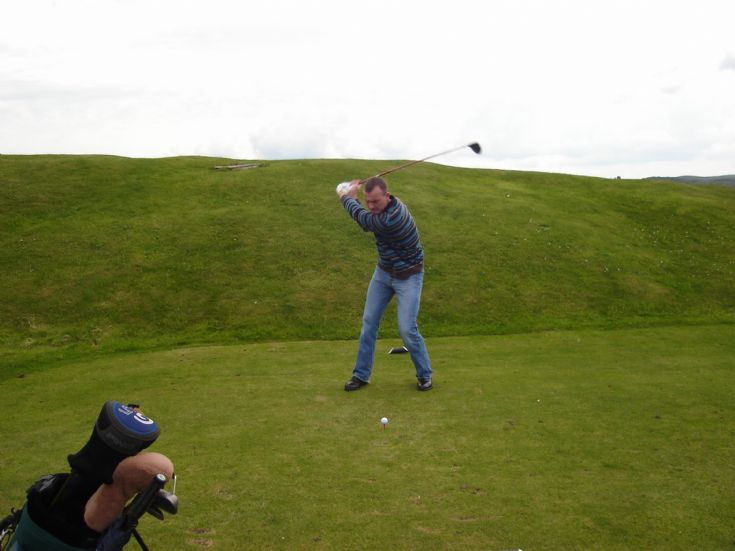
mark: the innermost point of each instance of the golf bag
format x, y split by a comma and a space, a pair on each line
53, 515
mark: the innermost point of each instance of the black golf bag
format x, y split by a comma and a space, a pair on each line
53, 515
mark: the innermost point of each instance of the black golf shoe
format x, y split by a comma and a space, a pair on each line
355, 384
424, 384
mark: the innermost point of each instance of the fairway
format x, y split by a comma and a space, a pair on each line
619, 439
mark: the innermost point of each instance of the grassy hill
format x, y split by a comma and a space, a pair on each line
724, 180
106, 253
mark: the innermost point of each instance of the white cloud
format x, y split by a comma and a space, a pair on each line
578, 87
671, 90
728, 64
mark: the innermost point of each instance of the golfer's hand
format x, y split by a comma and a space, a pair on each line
343, 189
348, 188
354, 188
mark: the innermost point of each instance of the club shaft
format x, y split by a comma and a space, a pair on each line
401, 167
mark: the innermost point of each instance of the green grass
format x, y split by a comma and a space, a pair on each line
581, 330
108, 253
615, 440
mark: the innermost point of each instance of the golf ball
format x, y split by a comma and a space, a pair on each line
384, 420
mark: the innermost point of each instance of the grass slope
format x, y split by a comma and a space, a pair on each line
107, 253
612, 440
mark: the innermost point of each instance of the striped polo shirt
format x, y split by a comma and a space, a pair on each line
396, 235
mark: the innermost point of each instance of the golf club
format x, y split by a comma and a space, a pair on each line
474, 146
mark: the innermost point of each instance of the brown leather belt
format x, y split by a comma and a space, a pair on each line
403, 274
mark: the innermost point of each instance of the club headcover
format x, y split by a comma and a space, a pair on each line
120, 431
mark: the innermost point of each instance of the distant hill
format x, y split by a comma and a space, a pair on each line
727, 180
108, 253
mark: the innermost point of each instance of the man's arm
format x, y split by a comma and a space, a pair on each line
364, 218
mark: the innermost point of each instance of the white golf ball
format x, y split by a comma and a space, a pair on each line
384, 420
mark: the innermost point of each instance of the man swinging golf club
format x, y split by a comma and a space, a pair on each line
400, 272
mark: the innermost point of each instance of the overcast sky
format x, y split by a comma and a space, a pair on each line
601, 87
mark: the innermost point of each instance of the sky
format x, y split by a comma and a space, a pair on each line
608, 88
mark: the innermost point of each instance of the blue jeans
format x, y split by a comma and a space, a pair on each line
408, 297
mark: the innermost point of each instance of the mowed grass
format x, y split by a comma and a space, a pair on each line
615, 440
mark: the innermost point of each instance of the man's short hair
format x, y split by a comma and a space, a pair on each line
374, 182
